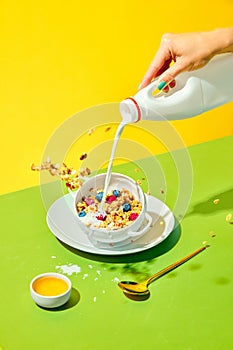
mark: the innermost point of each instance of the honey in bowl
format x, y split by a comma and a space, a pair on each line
50, 286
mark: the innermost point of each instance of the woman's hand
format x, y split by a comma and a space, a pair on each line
187, 52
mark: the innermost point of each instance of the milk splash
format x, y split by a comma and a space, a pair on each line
109, 171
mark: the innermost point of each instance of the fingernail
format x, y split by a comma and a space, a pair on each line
161, 85
172, 84
156, 92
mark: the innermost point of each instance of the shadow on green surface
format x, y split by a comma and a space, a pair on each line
74, 300
136, 296
145, 255
222, 281
208, 206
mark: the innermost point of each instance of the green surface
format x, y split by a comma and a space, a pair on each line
189, 309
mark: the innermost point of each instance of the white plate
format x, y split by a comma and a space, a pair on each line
62, 221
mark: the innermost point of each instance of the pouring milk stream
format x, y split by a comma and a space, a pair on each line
195, 93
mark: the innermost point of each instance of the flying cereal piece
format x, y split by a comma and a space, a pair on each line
35, 167
216, 201
85, 172
54, 169
108, 129
69, 175
90, 131
83, 156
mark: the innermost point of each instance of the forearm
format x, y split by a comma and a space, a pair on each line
223, 39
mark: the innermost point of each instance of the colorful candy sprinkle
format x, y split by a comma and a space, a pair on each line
82, 213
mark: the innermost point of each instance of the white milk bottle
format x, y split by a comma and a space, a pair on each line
195, 92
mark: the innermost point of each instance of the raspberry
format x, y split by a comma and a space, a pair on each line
110, 199
133, 216
101, 217
89, 201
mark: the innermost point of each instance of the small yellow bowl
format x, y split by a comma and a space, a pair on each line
50, 289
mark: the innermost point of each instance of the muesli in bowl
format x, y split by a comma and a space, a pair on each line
121, 215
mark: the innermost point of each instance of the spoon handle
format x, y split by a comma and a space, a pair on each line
174, 265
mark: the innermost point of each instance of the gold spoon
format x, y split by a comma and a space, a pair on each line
135, 288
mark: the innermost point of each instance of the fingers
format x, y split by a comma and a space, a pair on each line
159, 64
168, 77
171, 85
150, 74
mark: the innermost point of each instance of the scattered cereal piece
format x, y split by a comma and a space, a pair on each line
229, 217
83, 156
139, 182
107, 129
212, 234
82, 213
136, 170
216, 201
161, 190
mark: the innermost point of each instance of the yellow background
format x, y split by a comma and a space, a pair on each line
59, 57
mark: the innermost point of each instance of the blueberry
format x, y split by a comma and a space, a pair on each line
116, 193
99, 196
126, 207
82, 214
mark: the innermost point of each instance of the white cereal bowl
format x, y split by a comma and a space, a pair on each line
103, 235
54, 300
